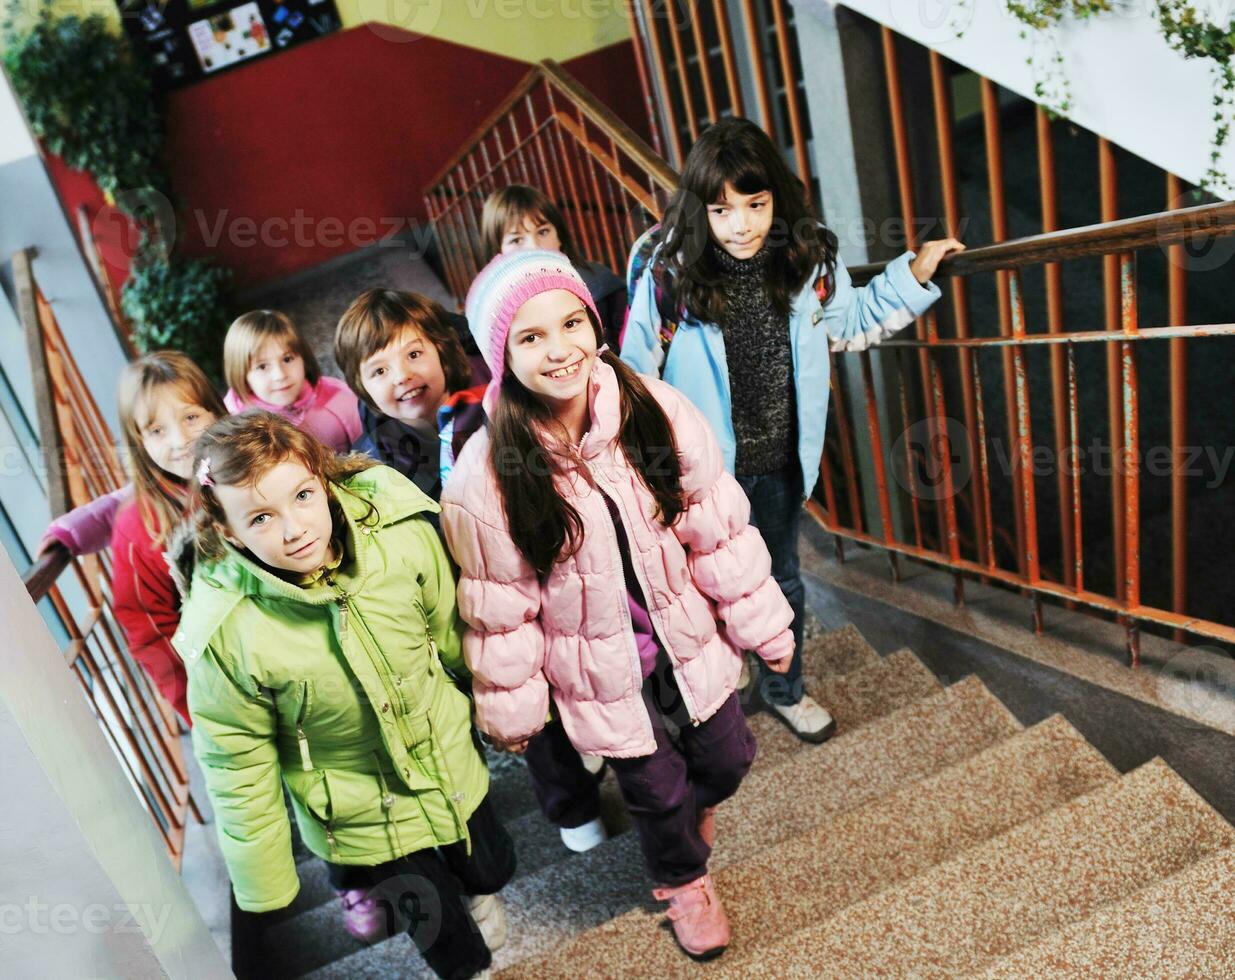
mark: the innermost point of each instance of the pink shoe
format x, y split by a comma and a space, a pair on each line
699, 922
363, 917
707, 825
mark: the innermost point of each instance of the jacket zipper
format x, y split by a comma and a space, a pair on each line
687, 698
306, 762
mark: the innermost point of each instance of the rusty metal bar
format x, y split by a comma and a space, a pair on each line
846, 441
1054, 321
705, 61
662, 77
910, 470
605, 231
1024, 434
999, 233
675, 38
791, 92
645, 85
1131, 445
1114, 399
758, 70
1177, 300
876, 438
1078, 546
725, 32
986, 545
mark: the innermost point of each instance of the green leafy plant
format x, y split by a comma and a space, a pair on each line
1193, 36
178, 303
1051, 86
88, 97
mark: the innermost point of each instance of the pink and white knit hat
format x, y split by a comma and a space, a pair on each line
503, 286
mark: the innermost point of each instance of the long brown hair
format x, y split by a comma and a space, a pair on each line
241, 449
509, 205
736, 151
544, 526
160, 496
245, 337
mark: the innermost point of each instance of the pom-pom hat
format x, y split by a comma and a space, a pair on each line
498, 292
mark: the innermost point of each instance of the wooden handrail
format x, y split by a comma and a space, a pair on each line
1106, 238
47, 568
627, 140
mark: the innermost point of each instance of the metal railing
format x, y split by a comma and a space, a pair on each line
552, 133
981, 526
82, 464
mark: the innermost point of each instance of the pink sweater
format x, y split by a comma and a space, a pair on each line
707, 582
328, 409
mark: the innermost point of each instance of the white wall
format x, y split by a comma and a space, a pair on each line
1127, 84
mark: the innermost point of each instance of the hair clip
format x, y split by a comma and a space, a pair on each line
203, 472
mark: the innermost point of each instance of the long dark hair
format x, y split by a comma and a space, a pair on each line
737, 152
545, 526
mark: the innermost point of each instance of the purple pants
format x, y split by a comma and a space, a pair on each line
693, 767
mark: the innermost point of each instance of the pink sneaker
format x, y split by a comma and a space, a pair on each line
707, 825
363, 917
699, 922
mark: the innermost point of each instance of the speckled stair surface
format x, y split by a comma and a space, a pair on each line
1181, 927
856, 854
1013, 890
842, 669
580, 893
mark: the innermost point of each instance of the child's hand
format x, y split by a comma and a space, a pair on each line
780, 666
518, 748
930, 255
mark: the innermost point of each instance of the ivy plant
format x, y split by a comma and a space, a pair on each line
178, 303
1051, 86
1194, 36
88, 96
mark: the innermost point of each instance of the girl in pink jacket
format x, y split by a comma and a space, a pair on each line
268, 365
606, 559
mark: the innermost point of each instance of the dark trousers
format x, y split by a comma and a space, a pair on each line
430, 887
569, 795
693, 767
776, 509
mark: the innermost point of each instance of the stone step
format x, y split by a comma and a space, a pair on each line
585, 890
825, 656
856, 854
1181, 927
1013, 890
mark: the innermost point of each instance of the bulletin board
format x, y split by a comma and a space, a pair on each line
188, 40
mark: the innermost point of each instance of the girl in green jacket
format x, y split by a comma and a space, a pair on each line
322, 643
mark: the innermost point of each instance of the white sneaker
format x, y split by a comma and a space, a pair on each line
490, 916
807, 719
584, 838
593, 763
483, 974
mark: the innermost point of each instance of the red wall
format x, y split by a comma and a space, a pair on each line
295, 159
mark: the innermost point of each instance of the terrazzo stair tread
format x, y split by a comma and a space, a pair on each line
825, 656
1181, 927
569, 897
853, 699
856, 853
1012, 890
864, 764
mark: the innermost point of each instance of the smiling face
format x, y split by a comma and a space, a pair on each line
531, 231
551, 347
168, 425
276, 373
404, 379
283, 519
739, 222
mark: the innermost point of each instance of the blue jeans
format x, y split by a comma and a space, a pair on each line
775, 509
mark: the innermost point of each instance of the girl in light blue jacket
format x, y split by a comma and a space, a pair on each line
738, 307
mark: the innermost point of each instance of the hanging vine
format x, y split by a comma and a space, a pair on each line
1052, 87
1193, 36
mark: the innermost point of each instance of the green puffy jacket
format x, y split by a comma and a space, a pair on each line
339, 688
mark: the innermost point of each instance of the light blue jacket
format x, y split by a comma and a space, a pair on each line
854, 319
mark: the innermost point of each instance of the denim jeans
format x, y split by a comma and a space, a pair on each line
776, 509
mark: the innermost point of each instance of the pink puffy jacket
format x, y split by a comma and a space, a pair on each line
707, 581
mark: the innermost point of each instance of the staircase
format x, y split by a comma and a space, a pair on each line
934, 836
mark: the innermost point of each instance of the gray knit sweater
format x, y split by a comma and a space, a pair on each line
760, 366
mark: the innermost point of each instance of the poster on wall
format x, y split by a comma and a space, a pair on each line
188, 40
